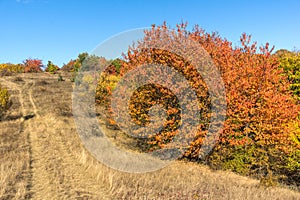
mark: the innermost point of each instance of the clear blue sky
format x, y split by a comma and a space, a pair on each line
59, 30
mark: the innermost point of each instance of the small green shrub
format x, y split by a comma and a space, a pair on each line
51, 68
60, 78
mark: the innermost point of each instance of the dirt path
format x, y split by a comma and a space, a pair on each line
55, 171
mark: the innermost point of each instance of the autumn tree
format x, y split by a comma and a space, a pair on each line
69, 66
75, 65
33, 65
256, 138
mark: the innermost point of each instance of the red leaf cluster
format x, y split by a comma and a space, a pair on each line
32, 65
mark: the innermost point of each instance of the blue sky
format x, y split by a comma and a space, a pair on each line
59, 30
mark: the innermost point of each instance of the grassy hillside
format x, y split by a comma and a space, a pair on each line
42, 157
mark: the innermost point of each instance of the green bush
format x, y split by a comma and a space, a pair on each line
51, 68
266, 163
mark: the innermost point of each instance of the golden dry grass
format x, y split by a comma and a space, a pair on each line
42, 158
14, 154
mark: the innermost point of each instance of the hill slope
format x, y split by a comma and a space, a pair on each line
42, 157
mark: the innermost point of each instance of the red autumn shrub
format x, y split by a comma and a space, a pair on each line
32, 65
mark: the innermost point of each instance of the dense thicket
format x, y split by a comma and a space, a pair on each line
260, 132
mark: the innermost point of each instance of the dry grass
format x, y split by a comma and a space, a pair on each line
14, 154
61, 168
15, 167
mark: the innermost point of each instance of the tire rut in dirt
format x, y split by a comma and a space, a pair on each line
56, 173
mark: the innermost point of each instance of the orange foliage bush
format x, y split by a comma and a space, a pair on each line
256, 134
259, 102
32, 65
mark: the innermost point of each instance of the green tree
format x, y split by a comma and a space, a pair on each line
51, 68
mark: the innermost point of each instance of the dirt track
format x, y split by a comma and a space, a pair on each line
55, 171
